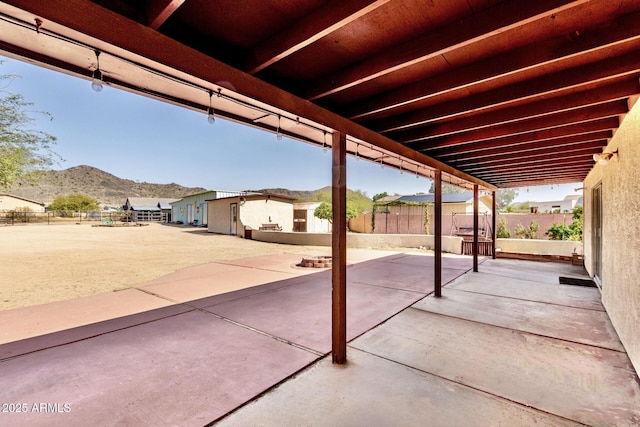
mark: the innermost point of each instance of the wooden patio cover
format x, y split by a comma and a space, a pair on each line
481, 93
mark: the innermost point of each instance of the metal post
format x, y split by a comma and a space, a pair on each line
475, 227
339, 248
437, 232
494, 219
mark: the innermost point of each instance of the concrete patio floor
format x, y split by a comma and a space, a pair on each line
245, 343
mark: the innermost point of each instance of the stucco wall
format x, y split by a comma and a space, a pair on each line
539, 247
10, 203
376, 241
620, 276
254, 213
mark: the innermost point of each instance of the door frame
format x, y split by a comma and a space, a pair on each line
596, 214
233, 218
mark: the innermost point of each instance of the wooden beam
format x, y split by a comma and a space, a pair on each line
480, 26
437, 232
94, 22
574, 79
475, 228
569, 161
594, 43
339, 248
532, 137
559, 170
158, 11
620, 90
494, 216
545, 157
331, 17
498, 151
581, 115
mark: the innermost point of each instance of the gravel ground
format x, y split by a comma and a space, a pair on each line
45, 263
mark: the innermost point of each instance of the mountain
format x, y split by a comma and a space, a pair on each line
108, 189
322, 194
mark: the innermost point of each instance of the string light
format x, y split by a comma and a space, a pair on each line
357, 154
211, 117
278, 132
96, 82
401, 171
417, 169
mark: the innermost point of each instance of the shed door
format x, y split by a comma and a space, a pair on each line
300, 220
189, 213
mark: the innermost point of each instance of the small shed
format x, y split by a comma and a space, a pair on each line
192, 209
304, 219
231, 215
10, 202
148, 209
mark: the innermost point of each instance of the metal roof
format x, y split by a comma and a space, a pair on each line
495, 93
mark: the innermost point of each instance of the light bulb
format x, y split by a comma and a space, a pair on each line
278, 133
96, 83
211, 117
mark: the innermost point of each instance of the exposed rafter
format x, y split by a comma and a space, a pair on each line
329, 18
477, 27
158, 11
558, 49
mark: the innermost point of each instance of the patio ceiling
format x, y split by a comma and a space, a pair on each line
495, 93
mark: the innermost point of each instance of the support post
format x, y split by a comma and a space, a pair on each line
339, 248
437, 232
494, 222
475, 227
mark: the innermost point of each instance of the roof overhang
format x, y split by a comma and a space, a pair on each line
493, 93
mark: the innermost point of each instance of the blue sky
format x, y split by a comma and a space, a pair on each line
138, 138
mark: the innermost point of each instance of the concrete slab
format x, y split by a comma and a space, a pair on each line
66, 336
371, 391
449, 261
44, 319
543, 272
252, 290
490, 284
187, 370
209, 279
591, 385
302, 314
392, 274
284, 263
572, 324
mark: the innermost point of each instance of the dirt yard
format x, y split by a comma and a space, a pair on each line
45, 263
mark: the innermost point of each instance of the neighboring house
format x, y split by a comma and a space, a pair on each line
9, 202
192, 209
305, 221
148, 209
406, 214
561, 206
451, 202
230, 215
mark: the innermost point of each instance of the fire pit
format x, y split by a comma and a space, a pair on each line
315, 262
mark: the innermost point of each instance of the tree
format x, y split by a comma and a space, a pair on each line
23, 149
503, 231
568, 232
74, 203
325, 211
504, 197
527, 233
379, 196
